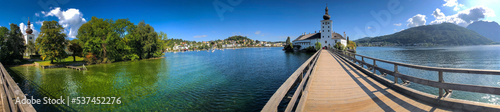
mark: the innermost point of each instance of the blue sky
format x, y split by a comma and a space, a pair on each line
268, 20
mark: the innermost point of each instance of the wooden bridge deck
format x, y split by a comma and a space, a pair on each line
338, 86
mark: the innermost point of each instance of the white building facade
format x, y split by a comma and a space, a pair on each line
326, 36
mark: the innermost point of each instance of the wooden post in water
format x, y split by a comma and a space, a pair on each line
396, 71
441, 81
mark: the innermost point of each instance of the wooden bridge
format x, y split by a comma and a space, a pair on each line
338, 81
9, 91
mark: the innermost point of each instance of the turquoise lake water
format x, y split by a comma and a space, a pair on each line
229, 80
471, 57
233, 80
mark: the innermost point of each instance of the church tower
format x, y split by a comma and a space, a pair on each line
29, 35
326, 29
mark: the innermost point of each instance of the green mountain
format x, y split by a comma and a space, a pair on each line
439, 34
489, 30
237, 38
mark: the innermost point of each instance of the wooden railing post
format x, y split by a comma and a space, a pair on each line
441, 81
374, 65
362, 59
354, 59
396, 71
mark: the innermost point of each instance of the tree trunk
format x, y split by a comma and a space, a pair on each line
74, 60
51, 61
104, 50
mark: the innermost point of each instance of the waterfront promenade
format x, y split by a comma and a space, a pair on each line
337, 81
338, 86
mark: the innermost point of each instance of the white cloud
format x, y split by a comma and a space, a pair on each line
416, 20
466, 17
453, 3
39, 22
199, 36
37, 14
23, 28
438, 14
70, 19
369, 27
257, 32
398, 24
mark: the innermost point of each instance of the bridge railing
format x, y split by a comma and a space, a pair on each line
300, 77
445, 88
11, 92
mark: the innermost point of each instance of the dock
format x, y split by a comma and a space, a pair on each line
77, 68
342, 81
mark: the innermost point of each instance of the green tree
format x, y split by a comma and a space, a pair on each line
52, 41
15, 43
4, 51
317, 46
75, 48
143, 40
289, 45
101, 39
30, 48
162, 39
351, 45
339, 46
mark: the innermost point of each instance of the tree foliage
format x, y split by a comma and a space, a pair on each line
143, 40
52, 41
30, 48
317, 45
11, 45
105, 40
351, 45
237, 38
339, 46
288, 46
75, 48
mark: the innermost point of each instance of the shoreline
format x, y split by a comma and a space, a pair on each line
222, 48
78, 62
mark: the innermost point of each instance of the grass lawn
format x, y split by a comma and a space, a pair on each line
67, 60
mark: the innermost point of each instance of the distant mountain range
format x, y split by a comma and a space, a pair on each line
428, 35
487, 29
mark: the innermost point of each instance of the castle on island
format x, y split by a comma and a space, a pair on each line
326, 36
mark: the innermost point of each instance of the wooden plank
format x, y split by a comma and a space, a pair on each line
275, 100
299, 89
337, 86
12, 91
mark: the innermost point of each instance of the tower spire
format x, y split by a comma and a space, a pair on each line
28, 29
326, 9
326, 16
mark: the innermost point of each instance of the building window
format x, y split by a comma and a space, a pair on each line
328, 30
328, 26
328, 36
335, 41
323, 30
323, 26
323, 37
325, 41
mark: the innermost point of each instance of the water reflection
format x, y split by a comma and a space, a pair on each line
229, 80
